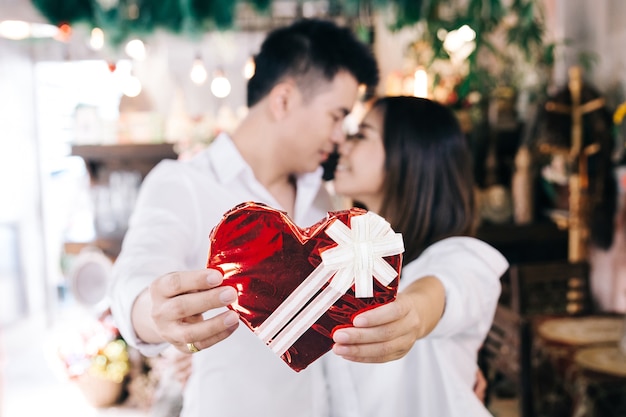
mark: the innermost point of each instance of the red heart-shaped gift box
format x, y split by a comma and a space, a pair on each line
268, 260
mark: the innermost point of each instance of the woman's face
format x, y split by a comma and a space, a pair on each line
360, 171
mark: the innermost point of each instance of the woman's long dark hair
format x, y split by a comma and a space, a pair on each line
428, 185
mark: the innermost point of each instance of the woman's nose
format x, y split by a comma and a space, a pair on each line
344, 147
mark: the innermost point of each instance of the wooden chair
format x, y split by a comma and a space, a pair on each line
529, 291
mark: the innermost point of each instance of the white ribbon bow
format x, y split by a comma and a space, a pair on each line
357, 258
359, 253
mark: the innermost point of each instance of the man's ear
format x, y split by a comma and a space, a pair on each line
282, 98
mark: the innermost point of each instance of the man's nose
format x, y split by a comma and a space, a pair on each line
338, 135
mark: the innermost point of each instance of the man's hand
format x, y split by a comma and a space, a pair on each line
171, 310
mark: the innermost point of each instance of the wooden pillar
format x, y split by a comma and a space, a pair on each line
578, 219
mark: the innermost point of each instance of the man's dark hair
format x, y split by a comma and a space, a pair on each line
310, 50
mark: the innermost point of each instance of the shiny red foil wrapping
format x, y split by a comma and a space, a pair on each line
264, 256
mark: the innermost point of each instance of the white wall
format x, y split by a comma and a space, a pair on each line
597, 27
19, 172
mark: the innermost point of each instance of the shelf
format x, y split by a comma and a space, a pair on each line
535, 242
110, 246
102, 159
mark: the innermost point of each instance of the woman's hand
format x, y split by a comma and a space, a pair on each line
171, 310
480, 387
388, 332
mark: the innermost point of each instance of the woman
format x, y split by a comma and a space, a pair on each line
409, 162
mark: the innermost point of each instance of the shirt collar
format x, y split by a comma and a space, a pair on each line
226, 158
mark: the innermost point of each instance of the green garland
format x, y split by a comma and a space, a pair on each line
121, 19
485, 17
65, 11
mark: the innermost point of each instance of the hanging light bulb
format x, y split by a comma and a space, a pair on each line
96, 41
198, 72
131, 86
136, 49
249, 68
220, 86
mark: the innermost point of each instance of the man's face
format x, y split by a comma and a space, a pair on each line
317, 123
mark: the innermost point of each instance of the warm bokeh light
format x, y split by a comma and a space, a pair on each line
136, 49
460, 43
64, 34
198, 72
249, 68
18, 30
96, 41
420, 83
220, 86
131, 86
14, 29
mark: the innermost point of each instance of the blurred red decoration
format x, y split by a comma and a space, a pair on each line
65, 33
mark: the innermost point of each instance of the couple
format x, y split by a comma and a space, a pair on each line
408, 162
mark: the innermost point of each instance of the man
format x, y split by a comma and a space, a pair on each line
306, 81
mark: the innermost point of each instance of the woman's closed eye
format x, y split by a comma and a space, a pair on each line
357, 136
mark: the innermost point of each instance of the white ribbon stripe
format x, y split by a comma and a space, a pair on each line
292, 304
357, 258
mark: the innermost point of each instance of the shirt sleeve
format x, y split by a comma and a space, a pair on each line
161, 230
470, 272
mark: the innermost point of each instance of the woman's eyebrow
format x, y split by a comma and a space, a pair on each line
366, 126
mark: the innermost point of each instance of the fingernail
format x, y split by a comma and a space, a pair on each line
341, 337
359, 322
228, 295
214, 278
231, 319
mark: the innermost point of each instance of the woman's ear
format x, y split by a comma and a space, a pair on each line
282, 99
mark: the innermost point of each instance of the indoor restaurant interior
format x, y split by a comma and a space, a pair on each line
94, 94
